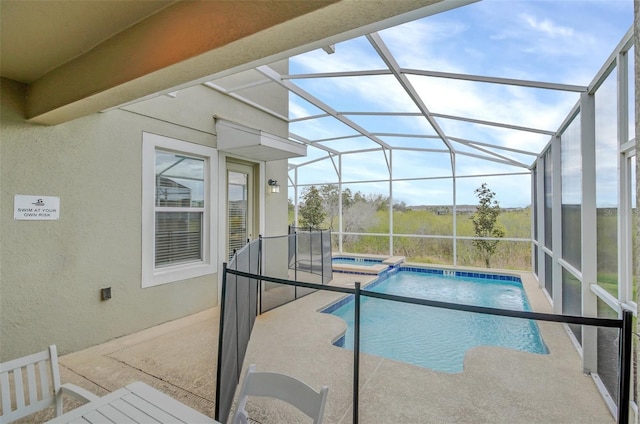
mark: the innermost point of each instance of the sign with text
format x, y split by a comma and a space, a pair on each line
36, 208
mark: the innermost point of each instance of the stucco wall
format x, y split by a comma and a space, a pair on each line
51, 272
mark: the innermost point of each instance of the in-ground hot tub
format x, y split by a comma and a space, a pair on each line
363, 264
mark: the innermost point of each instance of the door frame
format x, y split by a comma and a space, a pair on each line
257, 198
249, 170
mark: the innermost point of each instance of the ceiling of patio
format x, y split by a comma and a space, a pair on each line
80, 57
393, 90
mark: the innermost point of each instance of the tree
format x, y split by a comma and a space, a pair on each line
400, 207
312, 213
330, 200
290, 212
359, 217
290, 206
485, 223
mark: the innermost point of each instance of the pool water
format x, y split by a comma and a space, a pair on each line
439, 338
356, 261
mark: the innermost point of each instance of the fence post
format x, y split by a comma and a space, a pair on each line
220, 339
625, 366
310, 252
321, 257
259, 285
356, 353
295, 255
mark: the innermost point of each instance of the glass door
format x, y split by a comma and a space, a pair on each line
239, 206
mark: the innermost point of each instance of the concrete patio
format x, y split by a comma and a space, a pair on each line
178, 358
497, 385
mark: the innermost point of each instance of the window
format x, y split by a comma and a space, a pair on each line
177, 218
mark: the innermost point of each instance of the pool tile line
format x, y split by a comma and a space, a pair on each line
359, 260
482, 275
469, 274
392, 269
340, 271
329, 309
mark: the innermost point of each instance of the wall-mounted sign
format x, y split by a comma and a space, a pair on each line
36, 208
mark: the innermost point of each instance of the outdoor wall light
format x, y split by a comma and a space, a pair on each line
274, 187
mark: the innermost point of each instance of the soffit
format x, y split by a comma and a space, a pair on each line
39, 36
160, 46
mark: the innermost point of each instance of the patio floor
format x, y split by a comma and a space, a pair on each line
497, 385
177, 358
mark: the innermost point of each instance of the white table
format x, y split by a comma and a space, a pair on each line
135, 403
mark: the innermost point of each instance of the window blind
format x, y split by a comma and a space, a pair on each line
237, 225
180, 209
178, 237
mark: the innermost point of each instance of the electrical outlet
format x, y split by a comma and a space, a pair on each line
105, 293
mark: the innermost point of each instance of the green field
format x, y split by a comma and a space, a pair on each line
434, 250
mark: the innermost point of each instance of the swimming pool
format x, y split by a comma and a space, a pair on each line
433, 337
356, 261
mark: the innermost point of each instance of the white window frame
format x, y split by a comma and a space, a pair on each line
152, 276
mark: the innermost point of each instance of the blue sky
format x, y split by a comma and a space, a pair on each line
552, 41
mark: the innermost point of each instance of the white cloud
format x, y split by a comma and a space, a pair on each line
351, 55
481, 101
417, 44
296, 110
527, 40
548, 27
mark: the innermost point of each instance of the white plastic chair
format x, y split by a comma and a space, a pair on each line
283, 387
41, 389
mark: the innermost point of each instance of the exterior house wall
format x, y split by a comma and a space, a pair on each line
51, 272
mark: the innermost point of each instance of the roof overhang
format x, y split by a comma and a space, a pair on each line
188, 42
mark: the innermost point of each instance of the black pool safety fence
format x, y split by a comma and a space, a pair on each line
239, 309
310, 255
302, 256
